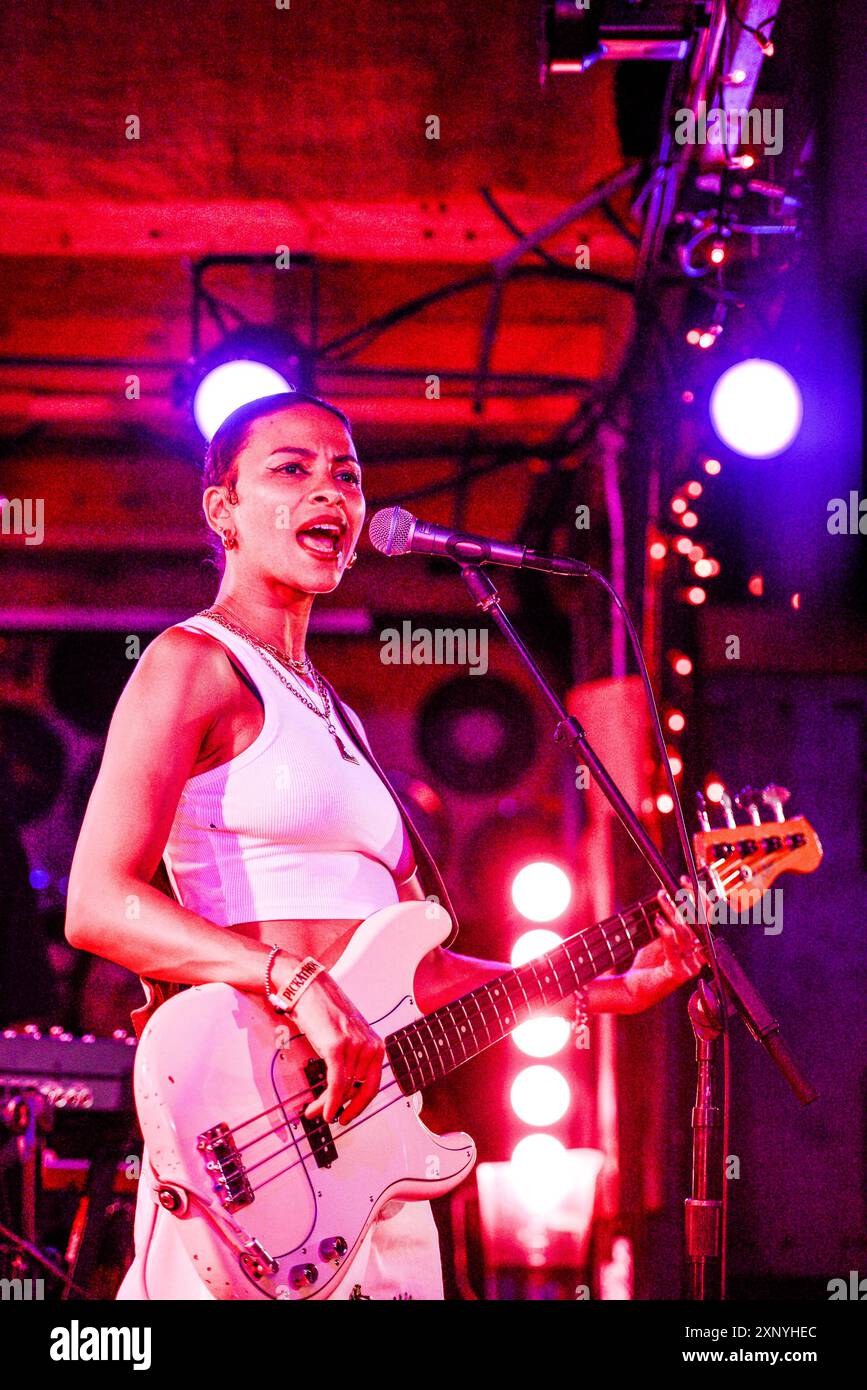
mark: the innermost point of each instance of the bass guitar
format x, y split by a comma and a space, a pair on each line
273, 1205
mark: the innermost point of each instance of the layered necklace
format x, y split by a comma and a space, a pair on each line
303, 668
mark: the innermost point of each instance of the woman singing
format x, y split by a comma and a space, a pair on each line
227, 761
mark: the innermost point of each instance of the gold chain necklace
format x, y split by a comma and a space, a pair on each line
306, 667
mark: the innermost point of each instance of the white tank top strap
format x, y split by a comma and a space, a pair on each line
256, 667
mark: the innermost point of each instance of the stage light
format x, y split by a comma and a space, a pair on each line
230, 385
717, 253
676, 721
657, 550
743, 161
696, 552
796, 600
712, 466
664, 804
540, 1095
714, 567
704, 569
531, 944
736, 78
689, 519
756, 408
250, 362
681, 663
542, 1037
696, 595
678, 505
756, 585
693, 336
675, 760
541, 891
687, 397
540, 1170
707, 339
714, 789
683, 545
694, 488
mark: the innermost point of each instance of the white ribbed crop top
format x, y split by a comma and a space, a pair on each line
287, 829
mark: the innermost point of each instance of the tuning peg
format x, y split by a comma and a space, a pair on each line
725, 802
701, 811
748, 800
776, 798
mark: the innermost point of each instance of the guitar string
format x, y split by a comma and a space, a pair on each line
348, 1128
415, 1074
413, 1069
594, 931
304, 1157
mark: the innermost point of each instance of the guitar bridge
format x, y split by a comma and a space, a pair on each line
224, 1165
322, 1145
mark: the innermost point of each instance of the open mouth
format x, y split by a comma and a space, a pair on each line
323, 539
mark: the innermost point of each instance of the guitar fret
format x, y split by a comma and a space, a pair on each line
435, 1042
424, 1053
496, 1010
467, 1025
446, 1039
519, 978
475, 998
457, 1036
428, 1049
400, 1039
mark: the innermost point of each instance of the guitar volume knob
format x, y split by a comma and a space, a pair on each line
300, 1275
332, 1248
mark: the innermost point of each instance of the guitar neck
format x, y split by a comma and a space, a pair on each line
435, 1045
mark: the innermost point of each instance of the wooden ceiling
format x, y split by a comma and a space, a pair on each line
306, 127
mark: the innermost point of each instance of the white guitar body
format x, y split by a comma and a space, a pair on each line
215, 1056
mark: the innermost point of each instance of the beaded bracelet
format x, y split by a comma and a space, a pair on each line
285, 999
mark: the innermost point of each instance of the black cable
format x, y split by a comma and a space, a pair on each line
374, 327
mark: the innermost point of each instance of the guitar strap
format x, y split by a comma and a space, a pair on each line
157, 991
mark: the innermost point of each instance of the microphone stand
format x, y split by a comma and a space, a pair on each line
703, 1208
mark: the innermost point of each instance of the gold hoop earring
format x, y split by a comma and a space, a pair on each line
229, 539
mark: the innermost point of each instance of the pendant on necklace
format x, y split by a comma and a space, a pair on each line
344, 751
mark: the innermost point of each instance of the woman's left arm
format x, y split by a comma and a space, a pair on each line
658, 969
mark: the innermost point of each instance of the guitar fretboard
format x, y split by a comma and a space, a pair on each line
433, 1046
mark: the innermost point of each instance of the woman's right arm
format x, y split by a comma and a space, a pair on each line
157, 729
166, 709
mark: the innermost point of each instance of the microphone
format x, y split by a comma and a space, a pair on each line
394, 531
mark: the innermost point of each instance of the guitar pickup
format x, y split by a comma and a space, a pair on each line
322, 1144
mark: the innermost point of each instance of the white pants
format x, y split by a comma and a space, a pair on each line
398, 1258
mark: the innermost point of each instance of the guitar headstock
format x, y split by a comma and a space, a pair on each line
747, 858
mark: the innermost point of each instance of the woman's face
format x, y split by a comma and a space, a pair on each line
300, 504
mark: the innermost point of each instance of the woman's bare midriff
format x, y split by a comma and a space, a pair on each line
324, 938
